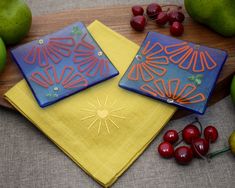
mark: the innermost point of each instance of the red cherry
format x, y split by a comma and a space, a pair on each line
190, 132
176, 16
177, 29
210, 133
183, 155
153, 10
162, 18
166, 150
137, 10
200, 146
138, 23
171, 136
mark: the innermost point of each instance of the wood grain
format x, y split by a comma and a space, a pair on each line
117, 18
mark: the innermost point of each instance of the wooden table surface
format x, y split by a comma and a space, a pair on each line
117, 18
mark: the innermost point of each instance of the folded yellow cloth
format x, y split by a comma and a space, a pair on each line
104, 128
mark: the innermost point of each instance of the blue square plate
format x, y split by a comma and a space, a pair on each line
174, 71
63, 63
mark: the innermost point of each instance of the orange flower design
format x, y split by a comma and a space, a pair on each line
188, 57
89, 61
52, 51
150, 60
68, 78
172, 92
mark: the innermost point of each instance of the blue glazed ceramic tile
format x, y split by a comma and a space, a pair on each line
174, 71
63, 63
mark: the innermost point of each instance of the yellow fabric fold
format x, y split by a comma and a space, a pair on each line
102, 129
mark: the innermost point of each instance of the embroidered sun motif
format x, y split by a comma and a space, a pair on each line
102, 115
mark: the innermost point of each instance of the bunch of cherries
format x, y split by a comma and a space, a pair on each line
197, 146
154, 12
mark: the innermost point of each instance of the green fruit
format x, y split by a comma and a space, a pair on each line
231, 142
219, 15
15, 20
3, 55
232, 89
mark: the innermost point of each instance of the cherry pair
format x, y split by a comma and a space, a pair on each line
191, 135
154, 12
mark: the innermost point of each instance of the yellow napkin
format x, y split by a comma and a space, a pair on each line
104, 128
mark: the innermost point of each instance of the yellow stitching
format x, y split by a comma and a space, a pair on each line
103, 114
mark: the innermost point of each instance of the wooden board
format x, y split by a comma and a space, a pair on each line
117, 18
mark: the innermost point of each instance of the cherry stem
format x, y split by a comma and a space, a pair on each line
200, 125
177, 143
203, 157
218, 152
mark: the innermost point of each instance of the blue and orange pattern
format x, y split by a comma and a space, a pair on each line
62, 63
150, 63
174, 71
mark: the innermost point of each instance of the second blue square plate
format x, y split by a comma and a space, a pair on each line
174, 71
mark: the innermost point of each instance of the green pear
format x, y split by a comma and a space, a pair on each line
219, 15
3, 55
15, 20
231, 142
